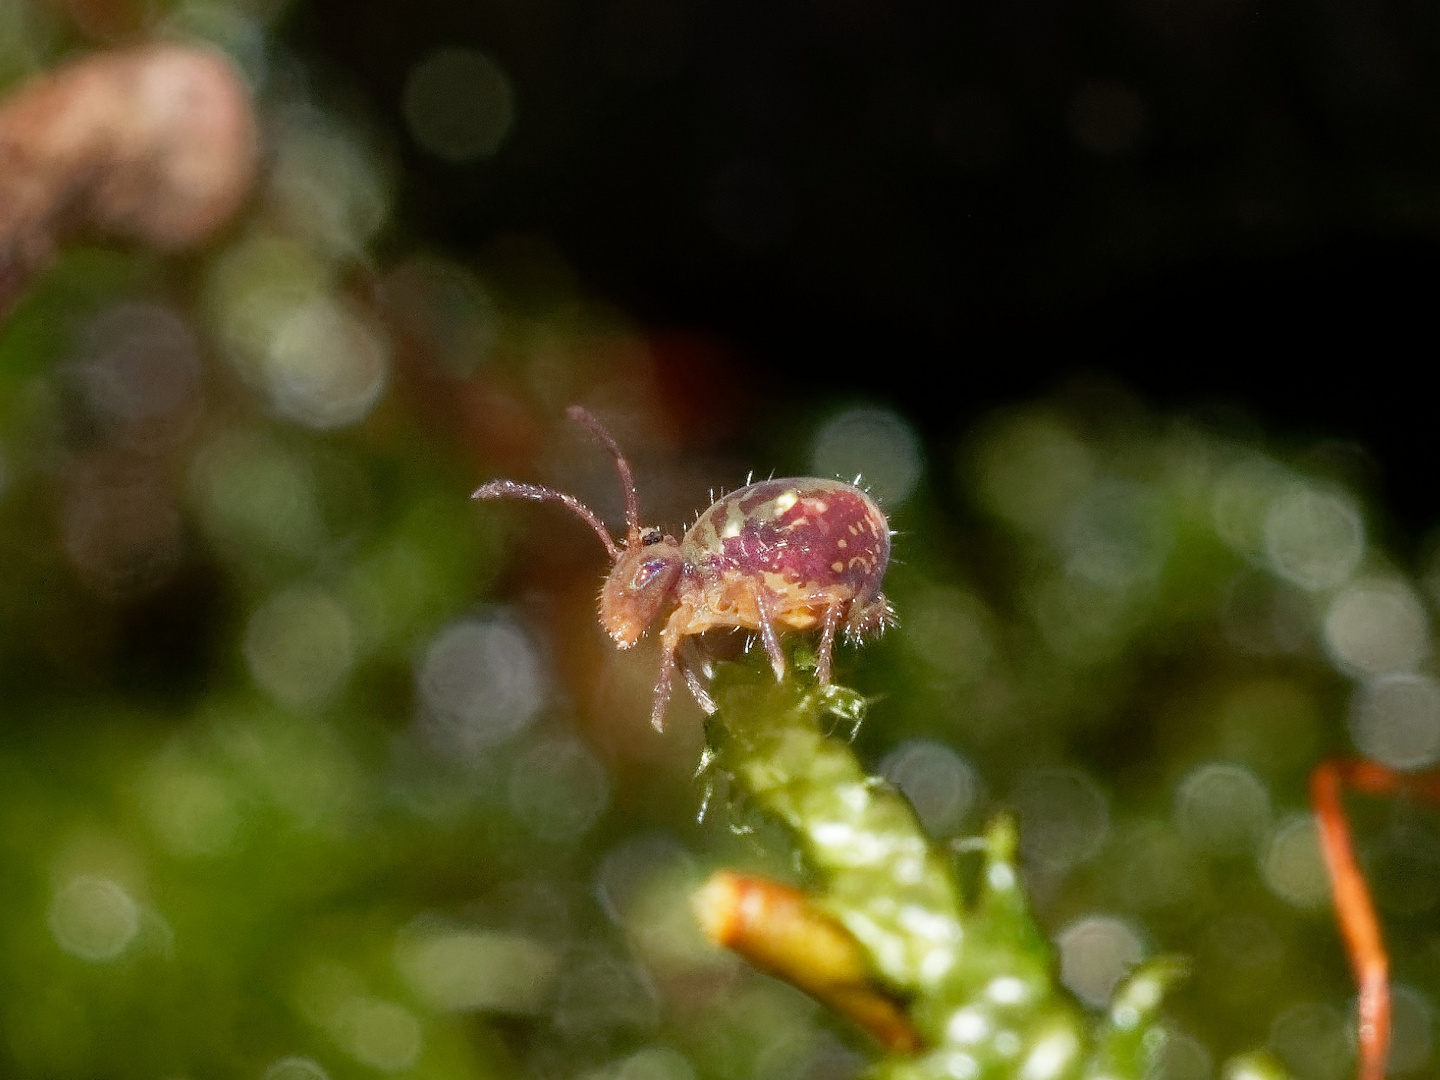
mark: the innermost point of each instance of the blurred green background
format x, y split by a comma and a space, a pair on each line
311, 768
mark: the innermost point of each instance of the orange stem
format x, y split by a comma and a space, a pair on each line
1354, 907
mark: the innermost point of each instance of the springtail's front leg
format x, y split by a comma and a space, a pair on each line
671, 639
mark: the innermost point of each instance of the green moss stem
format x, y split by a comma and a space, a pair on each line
978, 974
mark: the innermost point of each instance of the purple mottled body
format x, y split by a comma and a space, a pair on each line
802, 546
781, 554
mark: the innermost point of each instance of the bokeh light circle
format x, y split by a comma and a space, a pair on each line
1314, 538
94, 918
384, 1035
1373, 627
656, 1063
1292, 864
1313, 1040
949, 630
1116, 535
481, 682
193, 812
295, 1068
458, 104
1032, 469
326, 186
465, 970
140, 373
300, 645
1222, 807
1096, 952
875, 444
559, 788
1064, 818
938, 781
1395, 719
1184, 1057
326, 365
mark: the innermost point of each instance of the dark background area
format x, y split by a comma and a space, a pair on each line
957, 204
286, 709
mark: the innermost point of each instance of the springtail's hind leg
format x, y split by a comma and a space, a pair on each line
1354, 908
697, 690
834, 616
769, 637
688, 663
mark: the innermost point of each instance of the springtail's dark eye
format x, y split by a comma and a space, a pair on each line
653, 536
646, 573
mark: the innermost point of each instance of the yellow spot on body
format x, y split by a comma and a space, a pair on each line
734, 521
837, 566
854, 530
842, 544
819, 505
858, 561
785, 501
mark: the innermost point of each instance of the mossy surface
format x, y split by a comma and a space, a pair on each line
978, 974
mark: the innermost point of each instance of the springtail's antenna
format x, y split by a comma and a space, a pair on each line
509, 489
588, 421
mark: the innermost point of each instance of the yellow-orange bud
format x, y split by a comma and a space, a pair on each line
778, 930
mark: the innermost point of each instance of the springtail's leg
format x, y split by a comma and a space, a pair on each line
768, 636
698, 689
834, 616
663, 682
